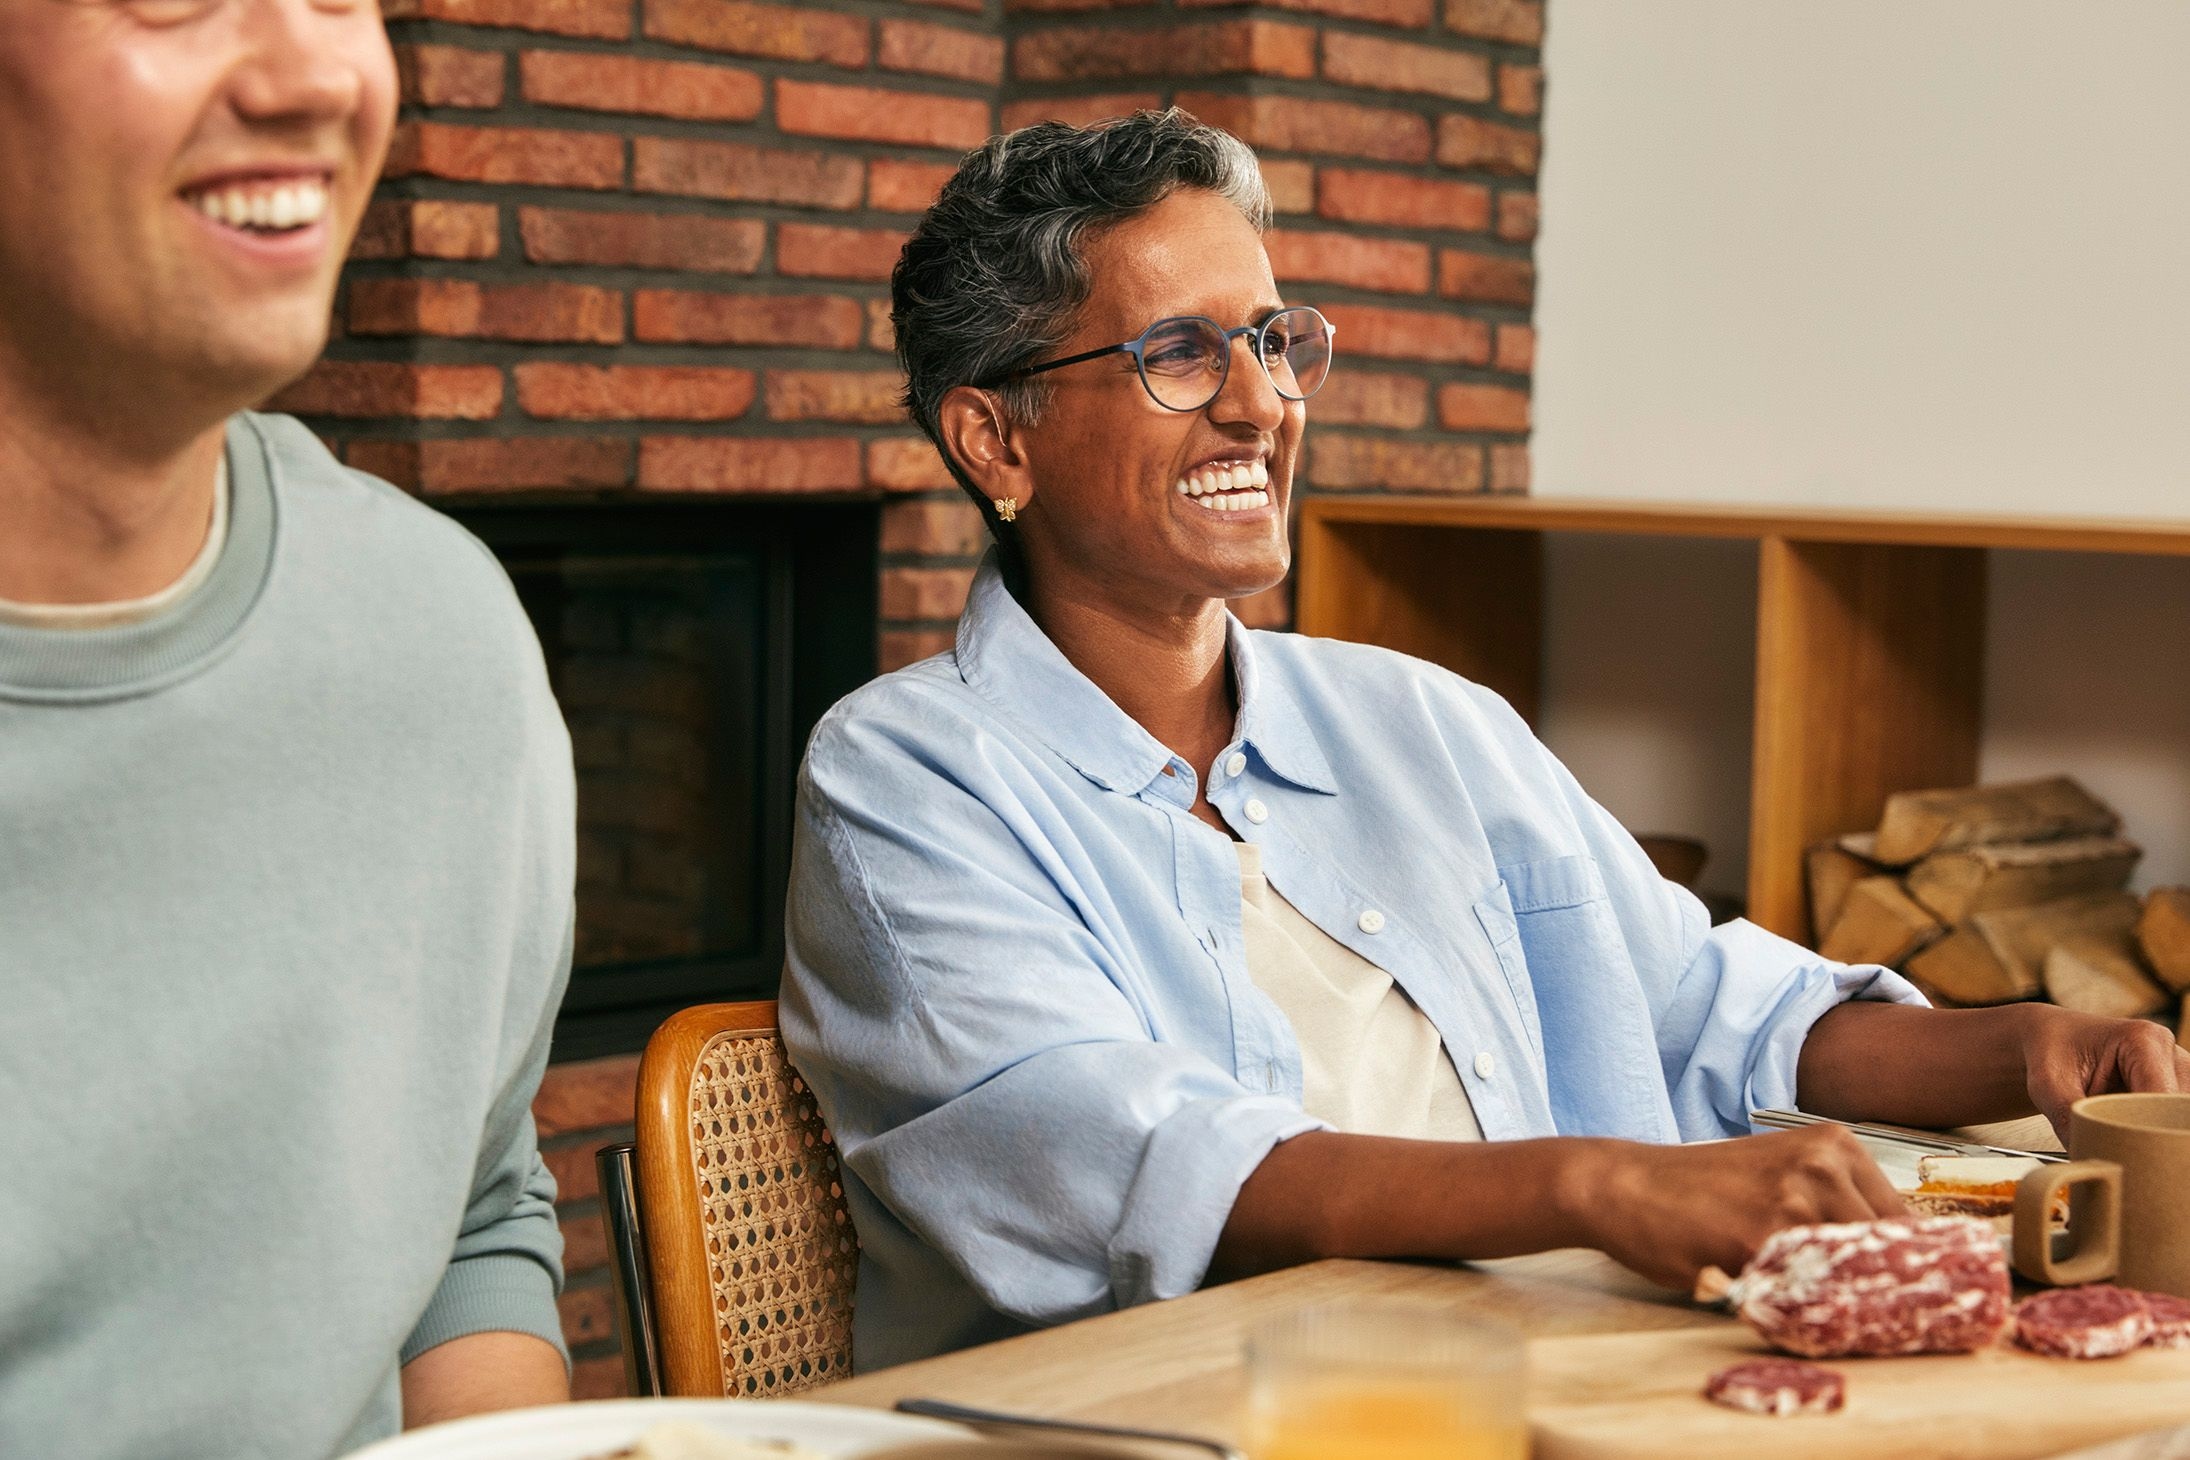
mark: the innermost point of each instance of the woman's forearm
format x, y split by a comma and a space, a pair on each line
1915, 1066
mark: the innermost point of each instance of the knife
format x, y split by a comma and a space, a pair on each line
1928, 1140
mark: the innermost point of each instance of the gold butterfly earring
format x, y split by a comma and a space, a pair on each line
1007, 508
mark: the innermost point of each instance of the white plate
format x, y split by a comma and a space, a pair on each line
581, 1431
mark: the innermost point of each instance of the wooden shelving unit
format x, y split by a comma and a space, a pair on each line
1870, 632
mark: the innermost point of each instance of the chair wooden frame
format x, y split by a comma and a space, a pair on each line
749, 1252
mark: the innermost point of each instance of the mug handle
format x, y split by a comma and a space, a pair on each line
2094, 1229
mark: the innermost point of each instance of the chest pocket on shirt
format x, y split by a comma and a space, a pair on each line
1553, 911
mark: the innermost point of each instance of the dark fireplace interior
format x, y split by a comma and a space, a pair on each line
692, 647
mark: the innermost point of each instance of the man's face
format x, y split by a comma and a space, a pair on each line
1108, 461
179, 184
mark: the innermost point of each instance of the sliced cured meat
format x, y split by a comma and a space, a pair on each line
1777, 1387
1899, 1285
2099, 1321
2170, 1320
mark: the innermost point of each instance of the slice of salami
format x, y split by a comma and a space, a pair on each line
2099, 1321
1777, 1387
1913, 1285
2170, 1320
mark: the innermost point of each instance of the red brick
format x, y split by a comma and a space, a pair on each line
1047, 7
1356, 195
1272, 608
784, 32
1384, 65
872, 114
428, 228
1369, 398
1516, 348
535, 155
448, 76
1517, 22
1338, 462
881, 333
1204, 48
395, 388
1291, 184
940, 50
691, 90
499, 464
1409, 334
815, 251
684, 241
1521, 90
674, 316
748, 464
583, 1095
585, 1240
1517, 216
1482, 408
587, 1312
1485, 278
1508, 466
1470, 142
906, 464
924, 593
1390, 265
1410, 13
897, 648
608, 20
896, 186
1078, 111
745, 173
945, 529
576, 1177
1293, 124
556, 391
865, 396
599, 1378
574, 313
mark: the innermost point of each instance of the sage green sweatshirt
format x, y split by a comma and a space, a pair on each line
285, 892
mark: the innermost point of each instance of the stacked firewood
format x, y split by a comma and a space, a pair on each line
1995, 894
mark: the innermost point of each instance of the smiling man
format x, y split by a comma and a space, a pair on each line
285, 804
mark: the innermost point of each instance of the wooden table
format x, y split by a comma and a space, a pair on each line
1179, 1365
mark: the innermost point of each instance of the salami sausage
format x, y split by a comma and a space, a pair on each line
1777, 1387
2170, 1320
1914, 1285
2095, 1322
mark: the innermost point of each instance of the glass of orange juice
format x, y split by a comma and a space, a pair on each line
1385, 1381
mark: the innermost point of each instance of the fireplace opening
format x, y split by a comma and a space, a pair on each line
692, 646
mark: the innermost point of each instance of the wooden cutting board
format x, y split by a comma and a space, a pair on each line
1638, 1396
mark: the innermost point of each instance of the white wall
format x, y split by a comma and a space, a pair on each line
1857, 253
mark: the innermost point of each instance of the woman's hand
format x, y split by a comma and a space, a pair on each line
2067, 1056
1668, 1212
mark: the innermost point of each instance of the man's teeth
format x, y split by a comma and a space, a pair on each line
277, 208
1227, 486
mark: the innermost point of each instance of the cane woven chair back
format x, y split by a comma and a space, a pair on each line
749, 1243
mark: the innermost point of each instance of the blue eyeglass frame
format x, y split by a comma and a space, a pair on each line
1138, 347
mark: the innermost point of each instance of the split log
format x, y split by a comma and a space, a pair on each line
1954, 885
2164, 934
1879, 923
2100, 973
1918, 823
1999, 957
1830, 869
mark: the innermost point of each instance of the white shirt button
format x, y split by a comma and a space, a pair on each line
1257, 812
1371, 921
1234, 763
1485, 1065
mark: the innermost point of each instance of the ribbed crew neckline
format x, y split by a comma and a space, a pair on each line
84, 665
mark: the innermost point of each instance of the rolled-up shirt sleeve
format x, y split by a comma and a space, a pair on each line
985, 1068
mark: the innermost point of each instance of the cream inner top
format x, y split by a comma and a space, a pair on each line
133, 610
1371, 1062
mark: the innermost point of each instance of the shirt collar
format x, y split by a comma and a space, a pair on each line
1004, 656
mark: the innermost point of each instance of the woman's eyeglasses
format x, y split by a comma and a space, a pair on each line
1184, 360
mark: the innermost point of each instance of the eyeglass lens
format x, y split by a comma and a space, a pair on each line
1183, 361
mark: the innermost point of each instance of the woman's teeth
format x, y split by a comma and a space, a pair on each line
1227, 486
267, 208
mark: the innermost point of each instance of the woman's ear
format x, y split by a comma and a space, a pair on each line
985, 445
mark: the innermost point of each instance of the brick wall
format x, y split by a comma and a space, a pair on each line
642, 246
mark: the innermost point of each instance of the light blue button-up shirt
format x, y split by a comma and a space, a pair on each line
1018, 986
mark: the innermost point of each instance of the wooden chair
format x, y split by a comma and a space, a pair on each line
732, 1250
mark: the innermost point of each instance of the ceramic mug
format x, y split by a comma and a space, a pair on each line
2129, 1191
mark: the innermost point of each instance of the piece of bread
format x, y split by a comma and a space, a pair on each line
1974, 1186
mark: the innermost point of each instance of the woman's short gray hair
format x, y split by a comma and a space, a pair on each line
990, 281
